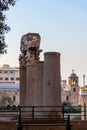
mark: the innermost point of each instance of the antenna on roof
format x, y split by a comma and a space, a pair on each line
72, 71
83, 80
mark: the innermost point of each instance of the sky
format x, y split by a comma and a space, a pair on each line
62, 25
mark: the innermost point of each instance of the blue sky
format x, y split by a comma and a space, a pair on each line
62, 25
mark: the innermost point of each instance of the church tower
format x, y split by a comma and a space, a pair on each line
74, 88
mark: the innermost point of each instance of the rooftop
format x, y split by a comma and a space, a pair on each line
73, 75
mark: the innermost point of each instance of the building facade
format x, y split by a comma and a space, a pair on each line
9, 83
9, 75
9, 91
70, 91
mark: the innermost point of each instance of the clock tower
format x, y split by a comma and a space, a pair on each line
74, 88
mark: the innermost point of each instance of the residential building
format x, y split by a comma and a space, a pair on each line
9, 74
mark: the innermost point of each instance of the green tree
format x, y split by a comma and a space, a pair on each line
4, 4
66, 104
6, 100
4, 28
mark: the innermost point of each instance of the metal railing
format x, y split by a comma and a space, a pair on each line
43, 111
47, 115
42, 116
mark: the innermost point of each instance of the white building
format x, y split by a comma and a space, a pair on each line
9, 75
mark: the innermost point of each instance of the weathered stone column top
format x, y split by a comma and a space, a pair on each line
30, 49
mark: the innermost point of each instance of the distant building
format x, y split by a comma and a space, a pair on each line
9, 74
70, 91
9, 83
83, 90
82, 95
10, 90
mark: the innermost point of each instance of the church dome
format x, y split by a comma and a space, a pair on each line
73, 75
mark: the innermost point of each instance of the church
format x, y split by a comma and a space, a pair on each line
72, 92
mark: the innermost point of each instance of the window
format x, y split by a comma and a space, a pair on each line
6, 78
17, 78
14, 98
5, 91
11, 71
67, 98
74, 89
1, 78
5, 71
12, 78
16, 93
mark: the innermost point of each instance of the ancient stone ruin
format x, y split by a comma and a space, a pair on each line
39, 80
30, 44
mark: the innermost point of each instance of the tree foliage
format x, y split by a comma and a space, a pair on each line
6, 100
4, 4
4, 28
66, 104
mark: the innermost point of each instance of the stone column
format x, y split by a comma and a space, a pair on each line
30, 85
22, 86
52, 87
38, 87
39, 84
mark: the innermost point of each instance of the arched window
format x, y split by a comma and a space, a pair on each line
74, 89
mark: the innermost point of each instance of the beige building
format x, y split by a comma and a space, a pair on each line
9, 90
9, 83
70, 91
82, 95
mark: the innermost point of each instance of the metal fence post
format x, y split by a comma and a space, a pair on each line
84, 111
68, 127
19, 120
63, 111
33, 112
